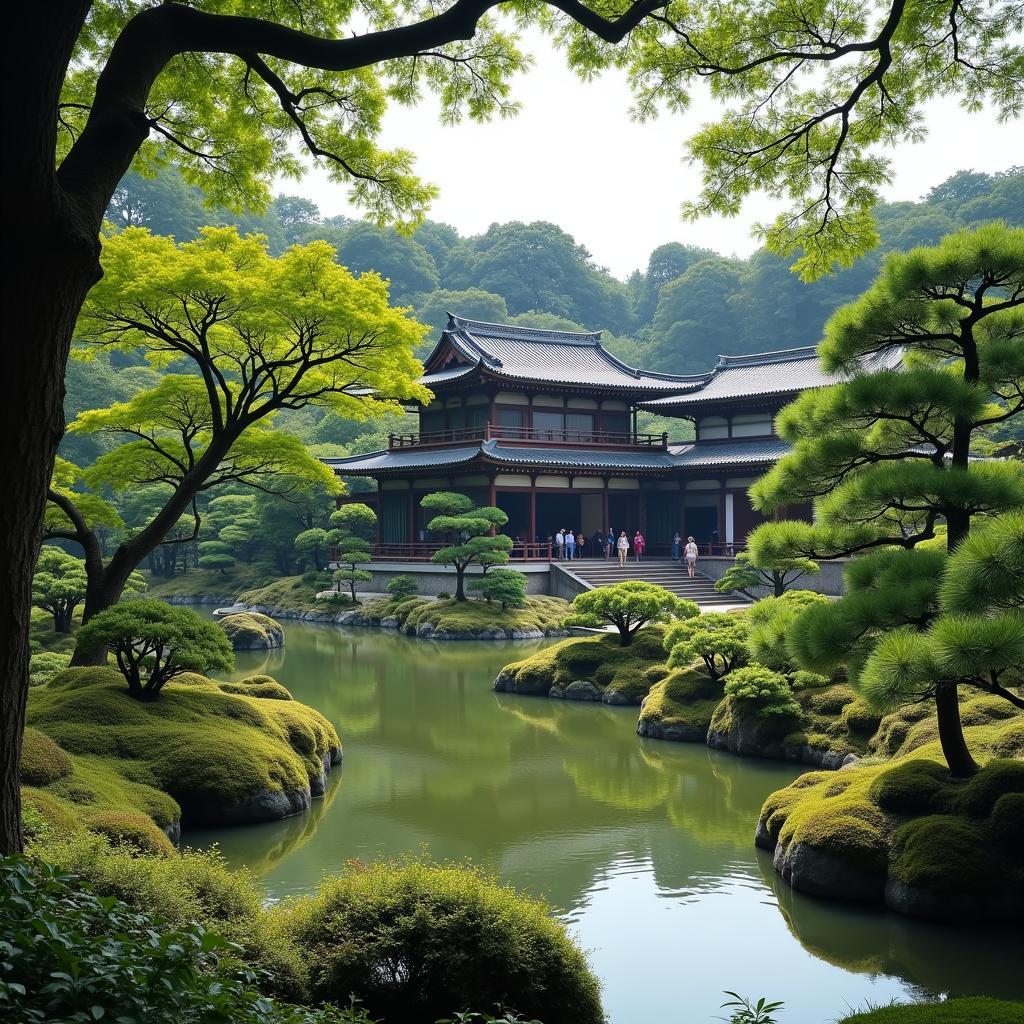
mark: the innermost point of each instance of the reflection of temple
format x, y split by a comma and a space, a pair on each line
543, 424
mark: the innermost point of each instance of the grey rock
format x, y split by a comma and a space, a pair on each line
763, 839
582, 689
849, 761
820, 873
677, 731
953, 907
425, 629
616, 697
173, 831
264, 805
389, 622
556, 692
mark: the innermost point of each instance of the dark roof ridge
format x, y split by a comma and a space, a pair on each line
780, 355
535, 334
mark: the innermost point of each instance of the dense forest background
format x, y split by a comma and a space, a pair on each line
676, 314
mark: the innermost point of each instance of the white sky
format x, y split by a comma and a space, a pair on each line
574, 157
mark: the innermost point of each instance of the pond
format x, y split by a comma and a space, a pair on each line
645, 847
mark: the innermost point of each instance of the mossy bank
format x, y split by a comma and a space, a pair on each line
905, 834
591, 668
205, 753
421, 617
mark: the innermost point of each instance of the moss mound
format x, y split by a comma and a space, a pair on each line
953, 1011
136, 831
680, 706
212, 584
936, 846
42, 761
262, 686
251, 631
197, 753
624, 675
412, 940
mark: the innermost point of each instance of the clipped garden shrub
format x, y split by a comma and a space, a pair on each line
44, 665
42, 761
401, 588
414, 942
762, 690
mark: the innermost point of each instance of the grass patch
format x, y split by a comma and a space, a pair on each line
292, 594
952, 1011
629, 672
193, 753
197, 583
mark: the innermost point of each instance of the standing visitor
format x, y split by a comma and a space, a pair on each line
622, 545
570, 545
638, 545
609, 543
581, 543
677, 546
599, 544
560, 544
691, 556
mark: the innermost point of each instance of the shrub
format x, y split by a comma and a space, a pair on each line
763, 689
715, 638
412, 940
443, 595
71, 955
507, 587
153, 642
42, 667
401, 588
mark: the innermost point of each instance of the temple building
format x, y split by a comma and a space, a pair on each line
543, 424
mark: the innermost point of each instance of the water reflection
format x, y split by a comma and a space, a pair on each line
645, 846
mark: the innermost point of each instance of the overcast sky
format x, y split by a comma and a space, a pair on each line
574, 157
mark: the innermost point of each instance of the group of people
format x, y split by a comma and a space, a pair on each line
569, 545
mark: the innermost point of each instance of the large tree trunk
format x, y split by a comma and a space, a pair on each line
52, 264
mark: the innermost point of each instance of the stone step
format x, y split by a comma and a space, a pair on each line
664, 572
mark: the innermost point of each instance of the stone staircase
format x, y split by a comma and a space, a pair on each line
663, 571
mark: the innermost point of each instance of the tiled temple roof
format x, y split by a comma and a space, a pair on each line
531, 354
695, 454
763, 373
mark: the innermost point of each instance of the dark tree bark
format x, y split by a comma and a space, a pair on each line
951, 733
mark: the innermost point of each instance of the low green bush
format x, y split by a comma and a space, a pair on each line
136, 831
42, 761
412, 940
44, 665
761, 689
70, 955
401, 588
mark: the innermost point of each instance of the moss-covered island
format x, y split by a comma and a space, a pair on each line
596, 668
953, 1011
903, 832
205, 753
252, 631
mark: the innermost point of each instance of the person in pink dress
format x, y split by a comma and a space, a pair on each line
638, 546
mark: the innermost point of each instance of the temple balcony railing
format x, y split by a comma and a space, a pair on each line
529, 435
423, 551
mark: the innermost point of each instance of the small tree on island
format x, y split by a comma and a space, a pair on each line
717, 639
628, 606
216, 556
59, 585
401, 588
469, 531
507, 587
351, 525
779, 574
153, 642
886, 455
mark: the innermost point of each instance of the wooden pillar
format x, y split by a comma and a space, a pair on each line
412, 516
604, 507
532, 539
641, 509
376, 508
492, 500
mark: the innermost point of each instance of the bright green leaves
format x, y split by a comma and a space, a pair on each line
770, 623
717, 639
989, 568
628, 606
761, 688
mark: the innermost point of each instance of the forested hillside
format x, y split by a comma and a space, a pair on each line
676, 314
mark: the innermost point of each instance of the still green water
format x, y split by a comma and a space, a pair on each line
644, 846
